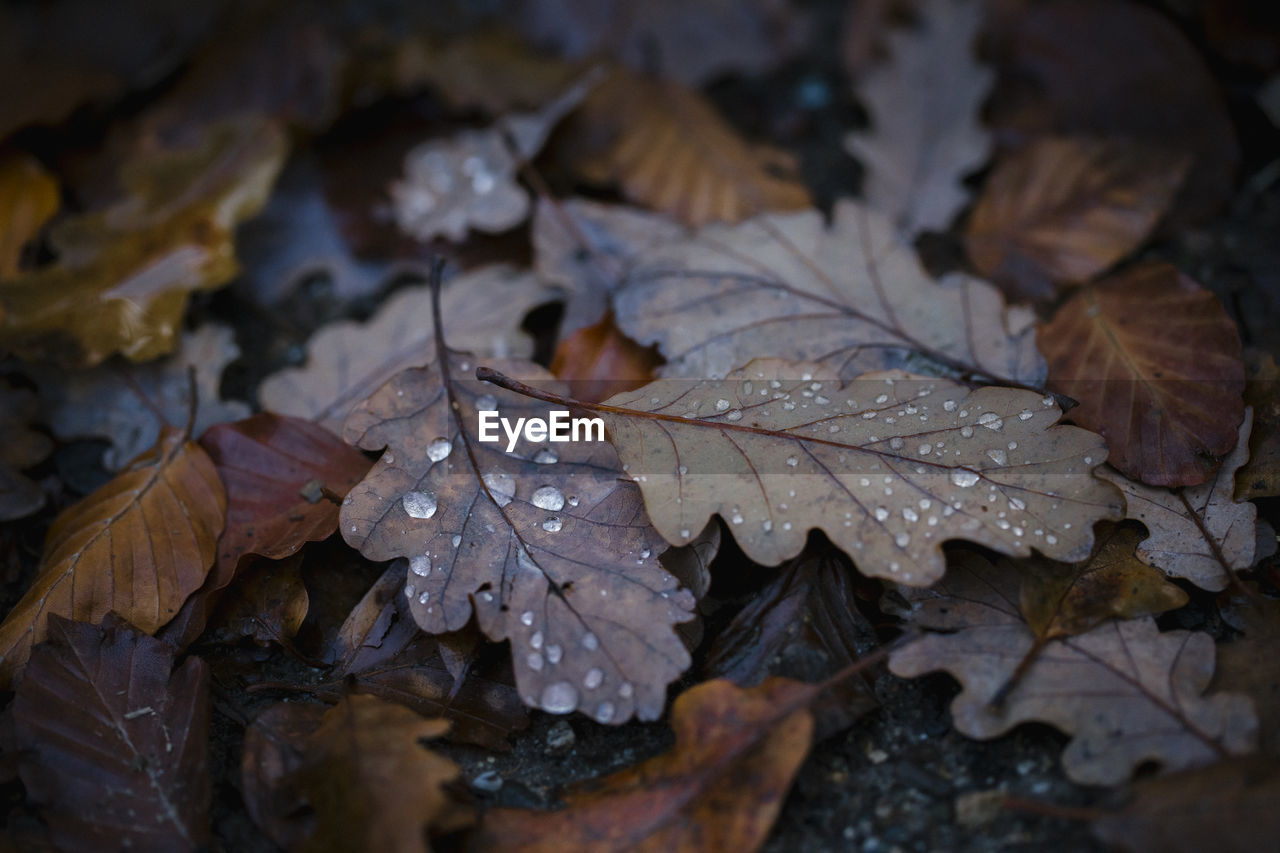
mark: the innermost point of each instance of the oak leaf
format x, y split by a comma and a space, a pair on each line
889, 466
347, 361
137, 546
115, 740
668, 149
1125, 692
20, 447
852, 295
924, 103
546, 544
1201, 533
1260, 476
1065, 209
124, 275
720, 787
28, 197
1154, 361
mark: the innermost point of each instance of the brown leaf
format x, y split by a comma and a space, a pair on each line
371, 784
668, 149
852, 295
1260, 476
28, 197
719, 788
20, 447
599, 361
268, 602
1199, 533
115, 742
924, 104
275, 470
1227, 807
124, 274
779, 448
546, 545
1065, 209
137, 546
1116, 69
1125, 692
273, 748
1154, 361
1248, 664
347, 361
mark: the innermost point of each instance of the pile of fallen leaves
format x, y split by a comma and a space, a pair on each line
261, 270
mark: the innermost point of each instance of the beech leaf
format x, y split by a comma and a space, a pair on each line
1154, 361
1124, 691
114, 741
924, 104
137, 546
599, 361
1201, 533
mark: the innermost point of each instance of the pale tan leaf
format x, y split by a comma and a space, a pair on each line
924, 104
1196, 529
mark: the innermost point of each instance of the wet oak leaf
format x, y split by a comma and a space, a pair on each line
889, 466
924, 104
347, 361
1124, 691
599, 361
124, 275
20, 447
547, 545
28, 197
720, 786
115, 740
1260, 476
852, 295
1065, 209
372, 785
1154, 361
668, 149
1201, 533
138, 546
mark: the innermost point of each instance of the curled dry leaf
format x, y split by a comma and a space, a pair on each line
720, 787
852, 295
1065, 209
469, 181
1260, 476
124, 274
115, 743
129, 404
372, 785
282, 478
1144, 699
20, 447
924, 104
547, 544
1200, 533
28, 197
889, 466
347, 361
599, 361
137, 546
1154, 361
1227, 807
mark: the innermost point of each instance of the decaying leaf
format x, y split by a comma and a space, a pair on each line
924, 104
1200, 533
1248, 664
719, 788
547, 544
668, 149
1260, 476
124, 274
20, 447
137, 546
599, 361
130, 404
1125, 692
852, 295
889, 466
347, 361
1066, 208
1227, 807
28, 197
274, 745
1154, 361
114, 741
371, 784
268, 603
468, 182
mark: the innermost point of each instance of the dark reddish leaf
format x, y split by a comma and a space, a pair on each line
273, 748
268, 603
599, 361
